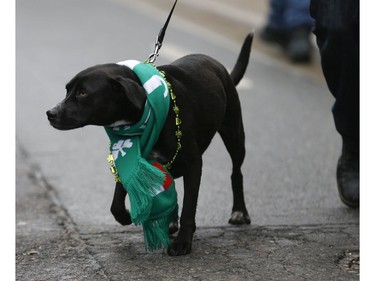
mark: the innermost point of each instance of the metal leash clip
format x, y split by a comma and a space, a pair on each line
159, 40
152, 57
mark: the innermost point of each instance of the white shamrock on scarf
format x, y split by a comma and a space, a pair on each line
119, 147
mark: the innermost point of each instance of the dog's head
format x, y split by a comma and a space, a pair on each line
100, 95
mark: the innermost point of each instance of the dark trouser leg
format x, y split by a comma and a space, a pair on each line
339, 49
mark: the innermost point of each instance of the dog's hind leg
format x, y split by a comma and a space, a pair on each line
233, 135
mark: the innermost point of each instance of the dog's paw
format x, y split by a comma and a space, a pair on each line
179, 248
239, 218
173, 227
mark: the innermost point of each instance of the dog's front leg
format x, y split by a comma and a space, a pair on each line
182, 244
118, 209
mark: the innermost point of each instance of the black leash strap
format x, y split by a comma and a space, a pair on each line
159, 39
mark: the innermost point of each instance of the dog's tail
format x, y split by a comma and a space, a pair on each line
243, 60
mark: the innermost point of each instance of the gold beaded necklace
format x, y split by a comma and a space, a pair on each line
178, 132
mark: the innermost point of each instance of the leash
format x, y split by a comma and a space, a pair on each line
151, 59
160, 38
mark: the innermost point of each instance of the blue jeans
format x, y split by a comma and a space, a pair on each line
287, 14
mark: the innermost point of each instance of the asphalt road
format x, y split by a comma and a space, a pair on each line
292, 150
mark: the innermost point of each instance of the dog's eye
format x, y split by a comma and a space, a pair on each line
81, 94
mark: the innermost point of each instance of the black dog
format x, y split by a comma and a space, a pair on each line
209, 103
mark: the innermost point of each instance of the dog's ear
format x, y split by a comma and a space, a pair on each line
131, 90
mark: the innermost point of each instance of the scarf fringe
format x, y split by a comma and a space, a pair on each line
156, 233
141, 189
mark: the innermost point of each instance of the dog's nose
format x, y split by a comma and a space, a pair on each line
52, 114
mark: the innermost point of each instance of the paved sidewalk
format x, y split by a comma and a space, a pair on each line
49, 247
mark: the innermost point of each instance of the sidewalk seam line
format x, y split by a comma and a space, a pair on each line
58, 209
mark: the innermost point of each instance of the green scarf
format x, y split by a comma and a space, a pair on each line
151, 189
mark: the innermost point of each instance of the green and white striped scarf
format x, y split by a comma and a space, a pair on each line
151, 189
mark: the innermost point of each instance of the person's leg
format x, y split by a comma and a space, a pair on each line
338, 42
298, 22
275, 31
297, 13
276, 18
289, 25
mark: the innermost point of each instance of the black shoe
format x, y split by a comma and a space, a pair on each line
299, 47
272, 35
348, 177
